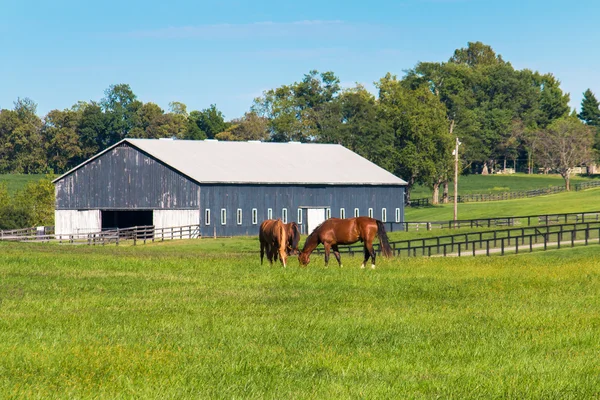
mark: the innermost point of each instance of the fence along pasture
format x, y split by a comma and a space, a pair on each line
521, 194
493, 241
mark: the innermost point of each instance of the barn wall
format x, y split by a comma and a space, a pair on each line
174, 218
69, 222
125, 179
277, 197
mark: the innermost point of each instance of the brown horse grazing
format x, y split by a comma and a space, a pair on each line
293, 233
273, 238
336, 231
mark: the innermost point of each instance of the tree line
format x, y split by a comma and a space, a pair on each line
409, 127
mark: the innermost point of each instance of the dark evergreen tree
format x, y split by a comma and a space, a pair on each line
590, 109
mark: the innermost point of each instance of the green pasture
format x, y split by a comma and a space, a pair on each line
15, 182
200, 319
491, 184
566, 202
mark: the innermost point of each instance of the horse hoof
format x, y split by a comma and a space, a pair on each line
362, 266
372, 266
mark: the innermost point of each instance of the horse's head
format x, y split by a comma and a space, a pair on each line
304, 258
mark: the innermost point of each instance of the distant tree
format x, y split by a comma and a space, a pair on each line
210, 121
300, 111
422, 143
61, 139
93, 130
36, 199
21, 145
249, 127
565, 144
178, 108
476, 54
590, 109
120, 105
146, 119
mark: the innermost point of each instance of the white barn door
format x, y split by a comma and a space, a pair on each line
314, 217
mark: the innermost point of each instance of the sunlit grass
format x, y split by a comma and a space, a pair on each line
183, 320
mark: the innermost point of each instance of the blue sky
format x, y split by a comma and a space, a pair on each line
228, 52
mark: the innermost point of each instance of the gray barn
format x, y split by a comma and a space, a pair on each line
226, 188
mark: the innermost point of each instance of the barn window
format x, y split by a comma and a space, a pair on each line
206, 217
370, 213
284, 215
299, 220
269, 213
223, 216
356, 213
328, 213
239, 216
397, 215
254, 216
342, 213
384, 215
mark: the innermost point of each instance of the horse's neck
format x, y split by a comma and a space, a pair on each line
312, 241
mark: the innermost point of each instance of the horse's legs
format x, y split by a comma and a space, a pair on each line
336, 253
327, 247
373, 254
367, 255
270, 253
262, 252
282, 256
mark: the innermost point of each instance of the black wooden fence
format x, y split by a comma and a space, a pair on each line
495, 241
521, 220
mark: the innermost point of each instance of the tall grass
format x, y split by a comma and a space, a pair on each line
173, 321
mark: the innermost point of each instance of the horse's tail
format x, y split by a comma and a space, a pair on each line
282, 238
384, 243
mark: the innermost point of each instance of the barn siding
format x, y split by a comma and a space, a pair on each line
277, 197
173, 218
69, 222
125, 178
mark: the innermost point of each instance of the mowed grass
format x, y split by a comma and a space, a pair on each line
489, 184
174, 320
566, 202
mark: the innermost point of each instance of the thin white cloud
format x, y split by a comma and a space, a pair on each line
249, 30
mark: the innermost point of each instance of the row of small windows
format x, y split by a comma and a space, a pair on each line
284, 215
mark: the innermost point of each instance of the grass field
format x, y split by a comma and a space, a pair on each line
16, 182
185, 320
587, 200
482, 184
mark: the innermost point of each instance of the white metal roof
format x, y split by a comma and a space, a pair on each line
211, 161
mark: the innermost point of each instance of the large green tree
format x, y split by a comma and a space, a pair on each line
120, 105
422, 143
61, 138
300, 111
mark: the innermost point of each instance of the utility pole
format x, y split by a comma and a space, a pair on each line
455, 152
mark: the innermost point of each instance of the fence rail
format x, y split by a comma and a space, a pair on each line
107, 236
521, 194
520, 220
487, 242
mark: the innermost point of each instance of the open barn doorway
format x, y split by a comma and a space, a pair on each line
126, 219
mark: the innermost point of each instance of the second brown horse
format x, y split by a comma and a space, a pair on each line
336, 231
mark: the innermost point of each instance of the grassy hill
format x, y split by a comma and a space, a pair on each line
483, 184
